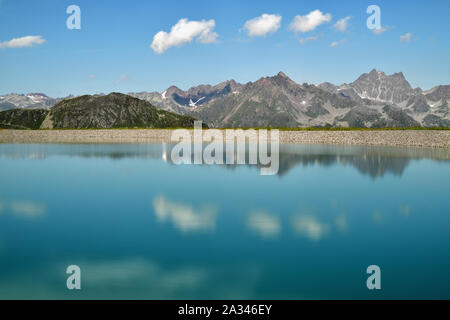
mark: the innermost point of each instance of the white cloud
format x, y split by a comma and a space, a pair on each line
380, 30
308, 39
263, 25
123, 78
184, 31
183, 216
342, 24
265, 224
406, 37
336, 43
310, 21
92, 76
27, 41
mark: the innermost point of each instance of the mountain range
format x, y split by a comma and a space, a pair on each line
374, 100
27, 101
115, 110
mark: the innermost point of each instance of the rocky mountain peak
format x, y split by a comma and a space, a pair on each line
399, 76
173, 89
376, 85
279, 80
375, 72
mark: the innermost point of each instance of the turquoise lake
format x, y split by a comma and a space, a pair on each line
141, 227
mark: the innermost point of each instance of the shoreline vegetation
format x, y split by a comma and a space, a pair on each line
404, 137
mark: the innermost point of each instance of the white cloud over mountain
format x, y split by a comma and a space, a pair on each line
183, 32
123, 78
263, 25
336, 43
308, 39
380, 30
310, 21
27, 41
406, 37
342, 24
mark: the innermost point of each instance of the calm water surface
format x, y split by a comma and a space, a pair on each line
141, 227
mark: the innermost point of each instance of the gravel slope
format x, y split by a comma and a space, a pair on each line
413, 138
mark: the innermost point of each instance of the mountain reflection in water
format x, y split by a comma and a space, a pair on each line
141, 227
373, 161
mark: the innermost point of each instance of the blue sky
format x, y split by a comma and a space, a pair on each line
112, 50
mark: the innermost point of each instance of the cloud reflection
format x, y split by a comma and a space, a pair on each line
185, 217
310, 227
133, 278
24, 208
405, 210
140, 272
341, 223
264, 224
378, 216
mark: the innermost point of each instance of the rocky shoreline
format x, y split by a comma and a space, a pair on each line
404, 138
